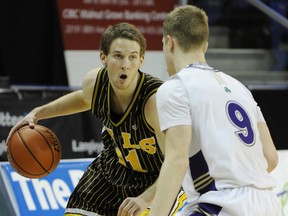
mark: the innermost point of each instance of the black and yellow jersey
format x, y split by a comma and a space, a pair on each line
133, 139
131, 159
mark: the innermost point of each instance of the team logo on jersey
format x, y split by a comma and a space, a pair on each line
227, 90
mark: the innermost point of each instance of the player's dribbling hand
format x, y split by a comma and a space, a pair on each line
132, 206
30, 119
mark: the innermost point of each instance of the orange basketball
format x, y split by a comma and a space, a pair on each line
34, 153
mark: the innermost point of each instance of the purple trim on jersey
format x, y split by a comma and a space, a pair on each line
202, 180
207, 209
196, 214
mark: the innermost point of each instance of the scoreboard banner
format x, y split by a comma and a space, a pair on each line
44, 196
84, 21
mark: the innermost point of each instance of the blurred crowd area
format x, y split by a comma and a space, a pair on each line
249, 27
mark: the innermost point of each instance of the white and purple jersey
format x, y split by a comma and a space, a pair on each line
225, 151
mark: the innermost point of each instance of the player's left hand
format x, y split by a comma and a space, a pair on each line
132, 206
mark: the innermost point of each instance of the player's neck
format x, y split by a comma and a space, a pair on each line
183, 59
121, 98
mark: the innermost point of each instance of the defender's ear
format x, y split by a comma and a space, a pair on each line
170, 43
206, 46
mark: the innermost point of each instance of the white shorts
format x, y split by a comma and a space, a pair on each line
245, 201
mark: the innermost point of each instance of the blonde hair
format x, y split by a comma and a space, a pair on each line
188, 25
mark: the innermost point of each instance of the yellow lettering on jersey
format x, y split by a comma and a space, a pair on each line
120, 156
133, 159
148, 145
126, 141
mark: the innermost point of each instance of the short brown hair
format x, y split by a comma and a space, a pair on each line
189, 25
122, 30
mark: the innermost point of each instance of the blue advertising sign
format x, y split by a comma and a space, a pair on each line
44, 196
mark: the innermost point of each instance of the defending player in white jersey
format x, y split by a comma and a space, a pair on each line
217, 144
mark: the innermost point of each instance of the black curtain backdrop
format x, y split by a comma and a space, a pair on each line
31, 46
274, 106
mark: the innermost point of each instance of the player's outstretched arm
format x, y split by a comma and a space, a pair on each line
65, 105
74, 102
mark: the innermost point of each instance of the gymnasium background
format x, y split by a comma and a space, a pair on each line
47, 46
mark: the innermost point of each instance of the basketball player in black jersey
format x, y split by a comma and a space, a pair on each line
123, 99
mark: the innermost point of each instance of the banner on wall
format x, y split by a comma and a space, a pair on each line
44, 196
84, 21
49, 195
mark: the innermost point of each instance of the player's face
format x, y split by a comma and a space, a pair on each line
123, 62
